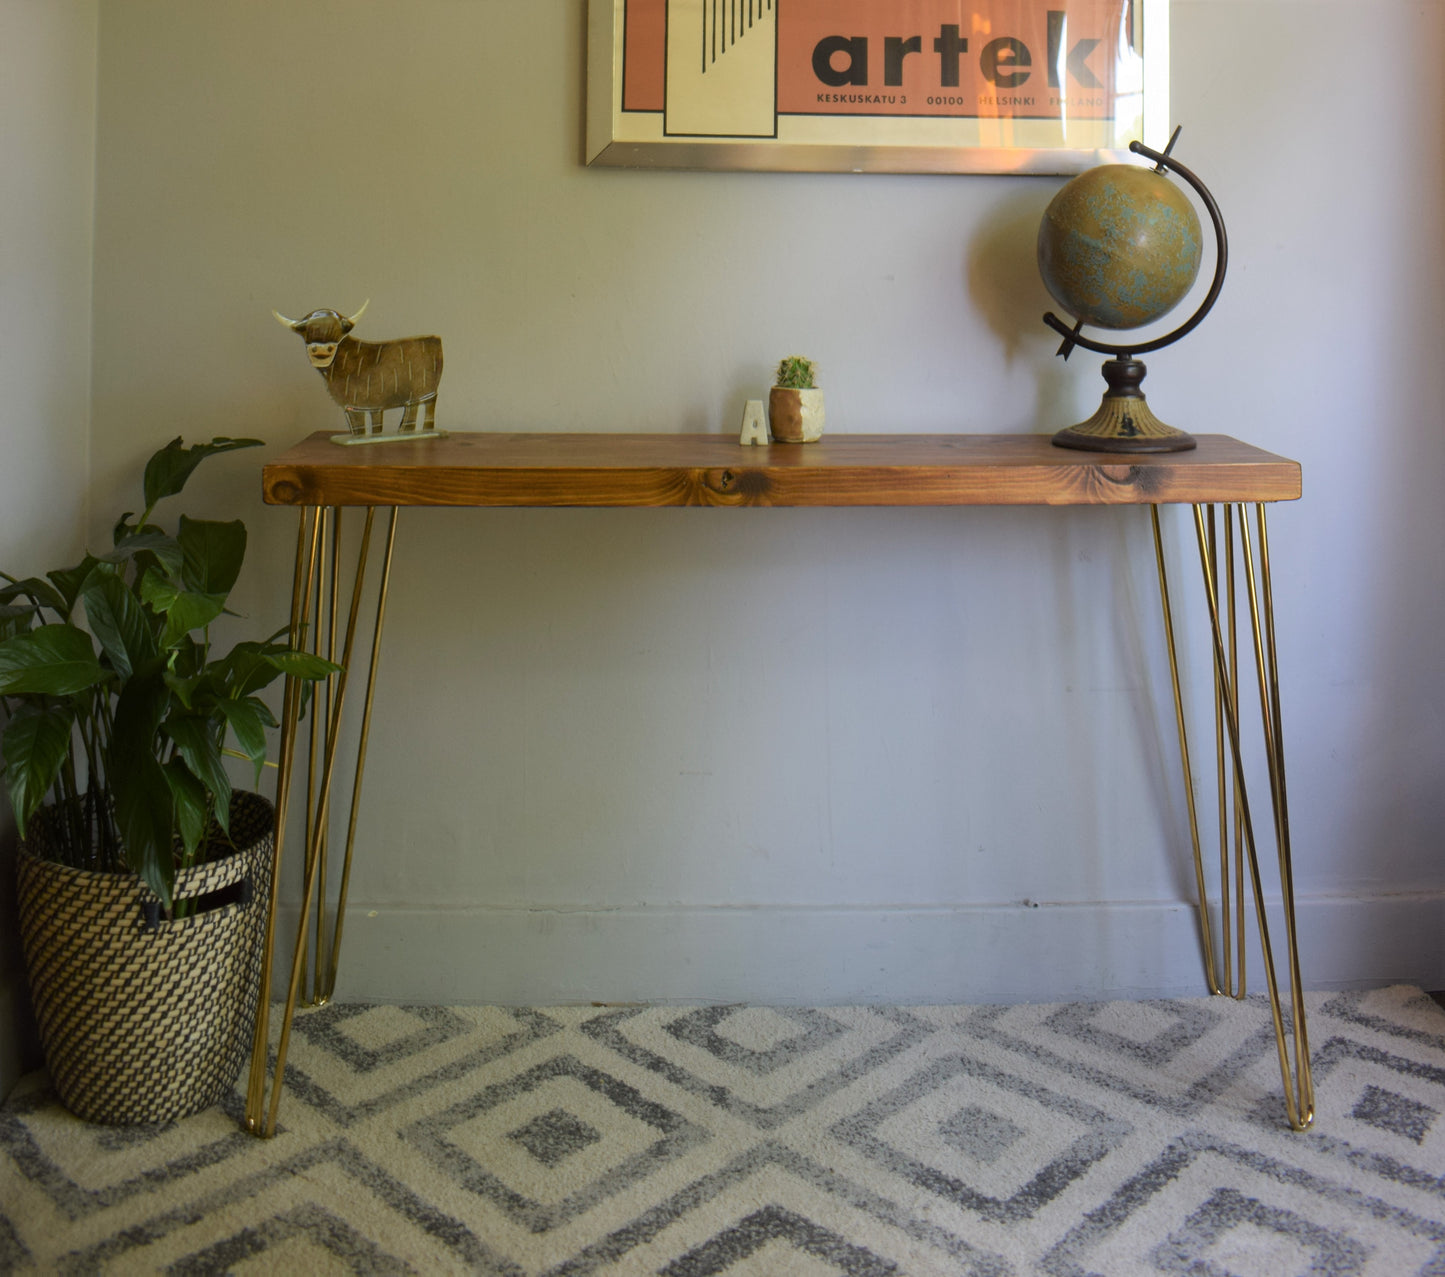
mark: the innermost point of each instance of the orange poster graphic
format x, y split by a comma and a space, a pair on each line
1040, 59
644, 55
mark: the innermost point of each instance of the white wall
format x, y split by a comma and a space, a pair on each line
47, 156
789, 754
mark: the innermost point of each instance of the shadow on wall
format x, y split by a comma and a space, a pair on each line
19, 1039
1002, 278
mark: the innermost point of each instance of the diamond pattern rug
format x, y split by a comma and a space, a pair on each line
1109, 1138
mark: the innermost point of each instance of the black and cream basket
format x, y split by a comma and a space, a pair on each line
143, 1018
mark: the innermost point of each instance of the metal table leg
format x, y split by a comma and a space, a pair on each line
1235, 816
320, 529
318, 541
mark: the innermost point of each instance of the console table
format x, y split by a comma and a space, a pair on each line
1220, 480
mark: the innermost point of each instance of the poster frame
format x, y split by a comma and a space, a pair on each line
618, 138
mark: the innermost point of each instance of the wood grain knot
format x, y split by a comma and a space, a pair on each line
738, 484
1125, 476
284, 492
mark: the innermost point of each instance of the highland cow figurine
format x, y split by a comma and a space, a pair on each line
367, 377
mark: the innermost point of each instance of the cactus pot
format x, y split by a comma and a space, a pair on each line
795, 416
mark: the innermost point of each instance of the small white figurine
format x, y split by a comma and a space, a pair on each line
755, 428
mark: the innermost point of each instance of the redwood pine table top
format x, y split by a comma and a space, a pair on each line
526, 469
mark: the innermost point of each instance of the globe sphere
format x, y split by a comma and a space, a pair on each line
1119, 246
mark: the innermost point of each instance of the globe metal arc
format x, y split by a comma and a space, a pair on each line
1119, 247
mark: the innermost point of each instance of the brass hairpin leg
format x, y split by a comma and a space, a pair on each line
1299, 1092
316, 747
1231, 927
321, 851
1206, 933
329, 987
1228, 812
1298, 1084
309, 588
307, 547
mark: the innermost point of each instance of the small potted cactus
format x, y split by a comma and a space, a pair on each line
795, 404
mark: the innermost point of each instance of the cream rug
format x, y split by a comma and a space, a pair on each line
1112, 1138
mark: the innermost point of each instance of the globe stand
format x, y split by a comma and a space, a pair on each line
1124, 422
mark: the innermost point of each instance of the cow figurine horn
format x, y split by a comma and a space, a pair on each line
296, 325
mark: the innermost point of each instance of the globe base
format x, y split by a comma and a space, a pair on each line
1124, 422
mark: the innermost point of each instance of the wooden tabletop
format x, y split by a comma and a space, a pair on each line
711, 469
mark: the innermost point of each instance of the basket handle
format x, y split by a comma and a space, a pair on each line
240, 893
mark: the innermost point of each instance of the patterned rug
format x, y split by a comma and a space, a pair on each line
1109, 1138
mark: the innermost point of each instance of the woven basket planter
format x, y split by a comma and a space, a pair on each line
144, 1019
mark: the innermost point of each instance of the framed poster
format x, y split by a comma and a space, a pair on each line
895, 86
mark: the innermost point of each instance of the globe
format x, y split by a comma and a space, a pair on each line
1119, 246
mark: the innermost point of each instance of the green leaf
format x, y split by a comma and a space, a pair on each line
245, 669
190, 612
183, 689
54, 659
148, 541
212, 554
248, 726
159, 590
144, 807
167, 471
143, 702
39, 592
193, 814
15, 618
36, 745
249, 667
184, 611
68, 581
145, 813
119, 622
187, 659
199, 692
195, 738
301, 665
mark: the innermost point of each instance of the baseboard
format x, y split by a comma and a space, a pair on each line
1006, 953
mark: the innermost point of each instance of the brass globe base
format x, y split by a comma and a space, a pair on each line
1124, 422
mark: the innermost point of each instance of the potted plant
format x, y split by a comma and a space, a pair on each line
143, 876
795, 404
